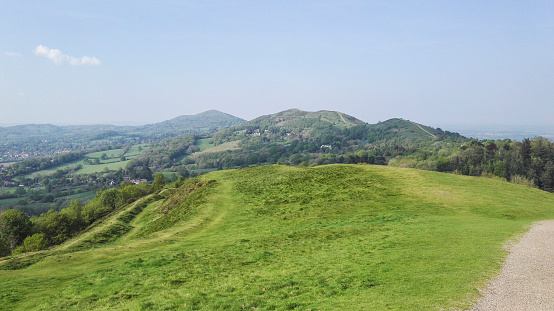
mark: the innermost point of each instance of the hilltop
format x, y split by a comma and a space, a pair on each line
207, 121
281, 237
295, 119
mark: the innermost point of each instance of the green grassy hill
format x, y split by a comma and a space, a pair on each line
207, 121
337, 237
291, 137
404, 128
298, 120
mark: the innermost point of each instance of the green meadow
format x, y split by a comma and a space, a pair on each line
112, 161
337, 237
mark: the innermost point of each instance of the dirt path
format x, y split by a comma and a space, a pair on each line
342, 118
424, 129
527, 278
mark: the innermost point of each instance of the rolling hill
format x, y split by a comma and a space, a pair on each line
277, 237
292, 137
207, 121
37, 140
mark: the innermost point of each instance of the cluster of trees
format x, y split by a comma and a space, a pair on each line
19, 233
529, 162
166, 154
42, 193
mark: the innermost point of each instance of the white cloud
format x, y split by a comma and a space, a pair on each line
59, 58
12, 54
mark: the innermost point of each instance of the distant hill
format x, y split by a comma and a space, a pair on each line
37, 140
407, 129
207, 121
295, 119
45, 131
291, 136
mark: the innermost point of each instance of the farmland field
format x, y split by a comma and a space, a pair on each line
112, 162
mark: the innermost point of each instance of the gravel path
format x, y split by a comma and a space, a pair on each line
527, 278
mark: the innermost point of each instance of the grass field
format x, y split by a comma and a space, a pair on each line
203, 144
9, 190
113, 161
232, 145
339, 237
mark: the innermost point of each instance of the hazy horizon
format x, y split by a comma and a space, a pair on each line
480, 131
435, 63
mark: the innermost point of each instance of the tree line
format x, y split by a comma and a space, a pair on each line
530, 161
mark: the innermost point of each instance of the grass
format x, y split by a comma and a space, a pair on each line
204, 144
113, 161
284, 238
8, 190
232, 145
9, 202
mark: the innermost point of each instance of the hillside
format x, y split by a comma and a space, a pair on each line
279, 237
296, 119
207, 121
38, 140
58, 164
406, 129
292, 137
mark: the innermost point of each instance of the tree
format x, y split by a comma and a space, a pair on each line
14, 228
159, 182
443, 164
56, 226
547, 177
73, 212
526, 152
500, 169
20, 191
4, 247
35, 242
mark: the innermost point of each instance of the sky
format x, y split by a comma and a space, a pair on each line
439, 63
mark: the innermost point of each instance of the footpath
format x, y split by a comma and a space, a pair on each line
527, 278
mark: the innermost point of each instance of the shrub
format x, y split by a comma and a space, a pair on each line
35, 242
520, 180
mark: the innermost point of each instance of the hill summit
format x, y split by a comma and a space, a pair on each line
205, 119
295, 118
202, 122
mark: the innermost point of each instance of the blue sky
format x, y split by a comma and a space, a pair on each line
440, 63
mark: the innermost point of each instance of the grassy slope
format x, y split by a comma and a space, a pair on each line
277, 237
